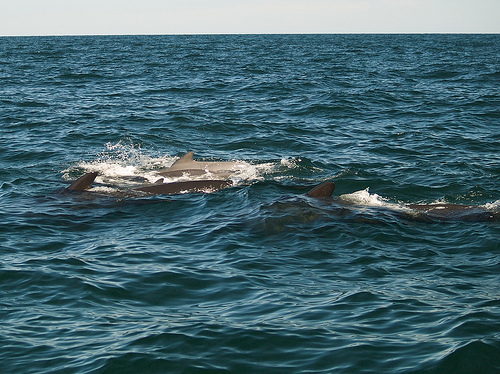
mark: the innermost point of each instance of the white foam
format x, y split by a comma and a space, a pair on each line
104, 189
249, 172
290, 164
121, 160
109, 169
363, 198
494, 206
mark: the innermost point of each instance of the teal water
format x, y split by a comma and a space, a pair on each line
256, 277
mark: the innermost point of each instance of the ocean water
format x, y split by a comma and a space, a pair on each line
257, 277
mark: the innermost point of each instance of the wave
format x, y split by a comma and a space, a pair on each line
474, 357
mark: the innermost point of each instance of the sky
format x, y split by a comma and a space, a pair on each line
104, 17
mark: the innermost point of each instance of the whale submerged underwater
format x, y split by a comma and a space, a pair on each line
215, 177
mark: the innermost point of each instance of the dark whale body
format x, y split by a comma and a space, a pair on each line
423, 212
85, 182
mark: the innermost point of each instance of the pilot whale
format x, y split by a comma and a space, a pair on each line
216, 173
186, 165
421, 212
159, 188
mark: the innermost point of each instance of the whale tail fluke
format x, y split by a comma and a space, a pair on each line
84, 182
323, 190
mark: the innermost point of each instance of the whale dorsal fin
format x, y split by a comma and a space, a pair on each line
323, 190
186, 159
84, 182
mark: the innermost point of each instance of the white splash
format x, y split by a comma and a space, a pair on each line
493, 207
124, 163
364, 198
290, 164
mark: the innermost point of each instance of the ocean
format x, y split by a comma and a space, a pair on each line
257, 277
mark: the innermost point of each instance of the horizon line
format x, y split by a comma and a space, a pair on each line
265, 33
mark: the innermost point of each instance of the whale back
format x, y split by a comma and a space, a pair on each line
188, 186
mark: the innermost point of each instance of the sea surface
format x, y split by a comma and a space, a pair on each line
258, 277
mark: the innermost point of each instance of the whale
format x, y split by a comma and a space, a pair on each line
86, 181
419, 212
187, 166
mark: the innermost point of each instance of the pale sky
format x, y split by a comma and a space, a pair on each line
90, 17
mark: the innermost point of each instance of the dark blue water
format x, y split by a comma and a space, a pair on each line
256, 277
